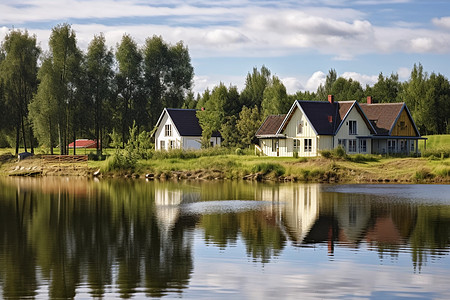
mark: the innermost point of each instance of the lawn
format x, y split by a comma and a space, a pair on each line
435, 142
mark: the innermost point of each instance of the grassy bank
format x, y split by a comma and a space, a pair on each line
226, 164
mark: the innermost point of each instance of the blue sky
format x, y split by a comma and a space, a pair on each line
298, 40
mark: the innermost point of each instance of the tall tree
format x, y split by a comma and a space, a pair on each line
413, 92
168, 75
347, 89
44, 106
275, 99
248, 123
386, 89
99, 63
255, 84
18, 73
66, 58
129, 82
435, 105
324, 90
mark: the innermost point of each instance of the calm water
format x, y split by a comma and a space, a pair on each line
72, 238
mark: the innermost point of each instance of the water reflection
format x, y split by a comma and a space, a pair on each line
128, 238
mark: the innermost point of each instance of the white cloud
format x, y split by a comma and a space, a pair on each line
315, 80
362, 78
443, 22
403, 73
292, 84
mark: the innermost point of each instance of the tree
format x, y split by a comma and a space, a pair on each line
44, 106
413, 92
386, 89
168, 75
347, 89
324, 90
435, 106
99, 62
275, 99
255, 84
247, 125
128, 82
18, 74
66, 59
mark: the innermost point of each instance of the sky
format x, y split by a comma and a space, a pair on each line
299, 41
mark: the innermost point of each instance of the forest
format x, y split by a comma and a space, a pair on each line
49, 99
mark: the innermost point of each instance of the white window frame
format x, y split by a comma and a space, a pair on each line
307, 145
296, 146
352, 145
162, 145
168, 130
352, 127
362, 145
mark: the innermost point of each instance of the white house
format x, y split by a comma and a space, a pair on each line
312, 126
180, 129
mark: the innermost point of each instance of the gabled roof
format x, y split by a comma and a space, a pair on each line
270, 126
325, 117
383, 116
185, 121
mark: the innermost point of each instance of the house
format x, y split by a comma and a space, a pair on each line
180, 129
312, 126
396, 131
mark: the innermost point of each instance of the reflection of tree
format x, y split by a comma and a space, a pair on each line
109, 229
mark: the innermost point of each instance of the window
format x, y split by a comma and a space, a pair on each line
362, 145
171, 144
162, 145
391, 146
274, 145
299, 128
296, 145
168, 130
351, 145
352, 127
412, 146
402, 125
342, 143
308, 145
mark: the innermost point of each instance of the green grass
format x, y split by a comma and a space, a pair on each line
435, 142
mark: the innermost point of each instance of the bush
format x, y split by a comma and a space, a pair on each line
437, 153
326, 153
339, 152
120, 161
239, 151
423, 174
266, 168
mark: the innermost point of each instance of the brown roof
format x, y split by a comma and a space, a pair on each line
270, 126
382, 115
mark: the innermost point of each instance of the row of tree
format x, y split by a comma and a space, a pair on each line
65, 93
54, 97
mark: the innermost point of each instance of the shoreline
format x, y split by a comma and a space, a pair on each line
312, 170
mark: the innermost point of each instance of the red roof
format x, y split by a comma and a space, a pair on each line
83, 143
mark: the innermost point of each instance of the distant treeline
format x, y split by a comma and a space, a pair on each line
52, 98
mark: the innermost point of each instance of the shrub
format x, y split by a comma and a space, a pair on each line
239, 151
266, 168
339, 152
423, 174
326, 153
120, 160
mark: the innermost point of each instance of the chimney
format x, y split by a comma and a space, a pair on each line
331, 98
369, 99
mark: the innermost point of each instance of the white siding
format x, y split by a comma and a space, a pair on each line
184, 142
361, 130
175, 138
306, 134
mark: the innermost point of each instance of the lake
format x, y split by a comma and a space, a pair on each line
77, 238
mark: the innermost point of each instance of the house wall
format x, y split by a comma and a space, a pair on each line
307, 133
407, 129
361, 130
160, 135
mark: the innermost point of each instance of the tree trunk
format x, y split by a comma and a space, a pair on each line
74, 142
23, 134
17, 138
31, 140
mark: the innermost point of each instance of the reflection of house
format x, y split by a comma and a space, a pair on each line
353, 216
168, 203
180, 129
299, 207
312, 126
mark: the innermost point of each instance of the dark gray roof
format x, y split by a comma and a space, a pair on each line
186, 122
